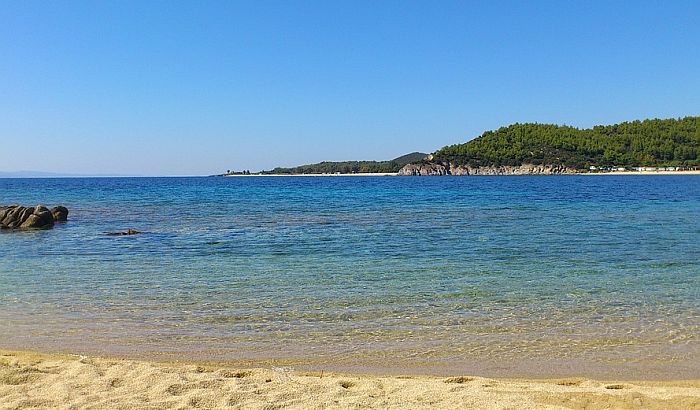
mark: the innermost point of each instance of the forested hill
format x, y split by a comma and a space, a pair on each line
672, 142
352, 167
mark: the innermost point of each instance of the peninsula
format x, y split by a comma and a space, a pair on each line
648, 146
343, 167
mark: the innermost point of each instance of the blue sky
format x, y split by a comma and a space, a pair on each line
190, 88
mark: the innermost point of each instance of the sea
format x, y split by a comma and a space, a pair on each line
522, 276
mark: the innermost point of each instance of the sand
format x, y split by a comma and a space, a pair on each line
35, 380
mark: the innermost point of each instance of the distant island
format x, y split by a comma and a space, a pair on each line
531, 148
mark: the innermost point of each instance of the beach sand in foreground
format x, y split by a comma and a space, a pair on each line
35, 380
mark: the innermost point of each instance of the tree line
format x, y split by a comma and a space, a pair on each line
670, 142
352, 167
345, 167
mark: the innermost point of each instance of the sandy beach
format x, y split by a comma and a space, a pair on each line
36, 380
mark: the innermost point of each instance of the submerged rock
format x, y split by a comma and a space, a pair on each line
124, 233
38, 217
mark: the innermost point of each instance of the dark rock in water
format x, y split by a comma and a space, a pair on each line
60, 213
124, 233
40, 217
20, 217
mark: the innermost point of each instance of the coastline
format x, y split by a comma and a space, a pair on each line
617, 173
365, 174
694, 172
31, 379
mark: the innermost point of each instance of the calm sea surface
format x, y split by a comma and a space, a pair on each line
501, 276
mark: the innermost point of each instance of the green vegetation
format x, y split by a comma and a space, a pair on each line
409, 158
672, 142
352, 167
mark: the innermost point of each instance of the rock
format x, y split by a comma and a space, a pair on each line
20, 217
12, 216
60, 213
32, 221
524, 169
124, 233
424, 169
41, 217
431, 169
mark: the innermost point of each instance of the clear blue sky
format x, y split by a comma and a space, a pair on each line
187, 88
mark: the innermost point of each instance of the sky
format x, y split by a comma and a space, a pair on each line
200, 87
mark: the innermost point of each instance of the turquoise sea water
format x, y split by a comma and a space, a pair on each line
502, 276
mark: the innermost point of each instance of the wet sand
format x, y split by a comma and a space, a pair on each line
36, 380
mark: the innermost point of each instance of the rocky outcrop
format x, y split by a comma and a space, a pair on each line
60, 213
424, 169
435, 169
20, 217
525, 169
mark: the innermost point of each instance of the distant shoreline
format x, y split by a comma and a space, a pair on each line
395, 174
359, 174
693, 172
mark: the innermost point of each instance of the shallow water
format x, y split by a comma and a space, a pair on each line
504, 276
